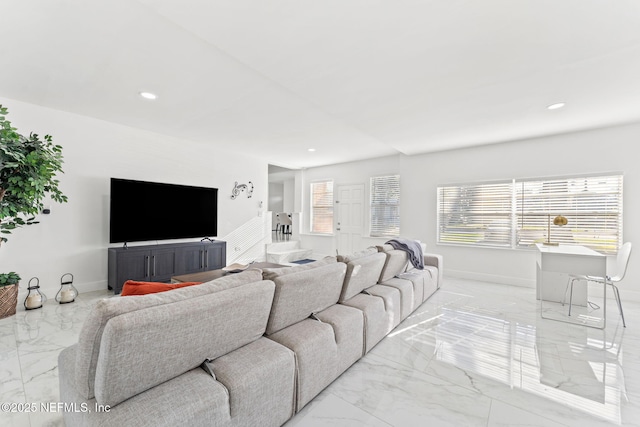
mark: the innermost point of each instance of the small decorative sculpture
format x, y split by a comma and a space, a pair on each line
238, 188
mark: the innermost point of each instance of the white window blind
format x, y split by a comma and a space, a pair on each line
518, 213
591, 204
476, 214
385, 206
322, 207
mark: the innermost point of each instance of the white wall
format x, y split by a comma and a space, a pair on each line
276, 200
289, 196
74, 237
603, 150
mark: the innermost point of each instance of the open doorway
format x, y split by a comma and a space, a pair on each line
282, 183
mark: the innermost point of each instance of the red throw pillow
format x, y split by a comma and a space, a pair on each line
132, 287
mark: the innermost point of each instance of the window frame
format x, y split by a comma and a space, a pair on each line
596, 212
381, 224
328, 206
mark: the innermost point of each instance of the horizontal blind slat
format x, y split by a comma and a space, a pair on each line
385, 206
592, 206
322, 207
475, 214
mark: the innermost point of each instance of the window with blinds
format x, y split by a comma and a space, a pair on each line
322, 207
476, 214
520, 213
591, 204
385, 206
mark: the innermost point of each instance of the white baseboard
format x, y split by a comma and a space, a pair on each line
99, 285
625, 294
493, 278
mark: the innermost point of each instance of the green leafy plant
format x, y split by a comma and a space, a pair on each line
28, 167
8, 279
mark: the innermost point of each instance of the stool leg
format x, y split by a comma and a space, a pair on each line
571, 296
566, 289
616, 293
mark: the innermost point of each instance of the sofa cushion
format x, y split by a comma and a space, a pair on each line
272, 273
348, 329
434, 262
357, 255
304, 292
314, 345
133, 287
260, 380
362, 273
410, 294
162, 342
191, 399
377, 319
395, 264
91, 333
385, 248
426, 279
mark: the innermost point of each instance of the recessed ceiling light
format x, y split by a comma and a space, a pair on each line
148, 95
556, 106
311, 150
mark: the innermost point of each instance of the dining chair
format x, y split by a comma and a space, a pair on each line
284, 220
622, 261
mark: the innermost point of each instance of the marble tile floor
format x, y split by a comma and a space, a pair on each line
475, 353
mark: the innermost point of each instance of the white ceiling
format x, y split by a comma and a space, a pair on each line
351, 78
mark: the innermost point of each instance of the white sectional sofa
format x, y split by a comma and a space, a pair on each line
273, 340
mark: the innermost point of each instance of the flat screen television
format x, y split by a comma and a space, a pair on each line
141, 210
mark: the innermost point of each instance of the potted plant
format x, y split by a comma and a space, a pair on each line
8, 294
28, 168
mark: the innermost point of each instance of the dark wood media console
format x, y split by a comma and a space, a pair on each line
158, 263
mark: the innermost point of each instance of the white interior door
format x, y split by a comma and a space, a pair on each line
350, 218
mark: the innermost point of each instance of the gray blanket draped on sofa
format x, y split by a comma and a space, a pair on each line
412, 248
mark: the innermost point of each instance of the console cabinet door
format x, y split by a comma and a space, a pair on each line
215, 256
191, 259
130, 265
163, 264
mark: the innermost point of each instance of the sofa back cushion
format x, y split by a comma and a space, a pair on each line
362, 273
91, 333
395, 264
301, 293
143, 348
357, 255
272, 273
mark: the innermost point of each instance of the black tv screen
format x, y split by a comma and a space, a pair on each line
141, 210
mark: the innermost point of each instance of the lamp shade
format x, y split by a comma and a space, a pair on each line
560, 221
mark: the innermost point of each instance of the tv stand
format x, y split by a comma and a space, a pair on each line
208, 239
158, 263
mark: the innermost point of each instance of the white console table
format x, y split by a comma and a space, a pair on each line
553, 267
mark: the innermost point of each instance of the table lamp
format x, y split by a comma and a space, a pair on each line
559, 221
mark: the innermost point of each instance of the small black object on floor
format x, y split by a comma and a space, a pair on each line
303, 261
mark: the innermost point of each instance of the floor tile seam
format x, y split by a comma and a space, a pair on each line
511, 404
435, 379
355, 405
499, 397
490, 410
387, 339
22, 387
20, 362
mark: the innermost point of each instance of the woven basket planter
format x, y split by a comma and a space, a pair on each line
8, 300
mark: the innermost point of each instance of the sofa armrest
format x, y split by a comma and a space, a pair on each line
434, 260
